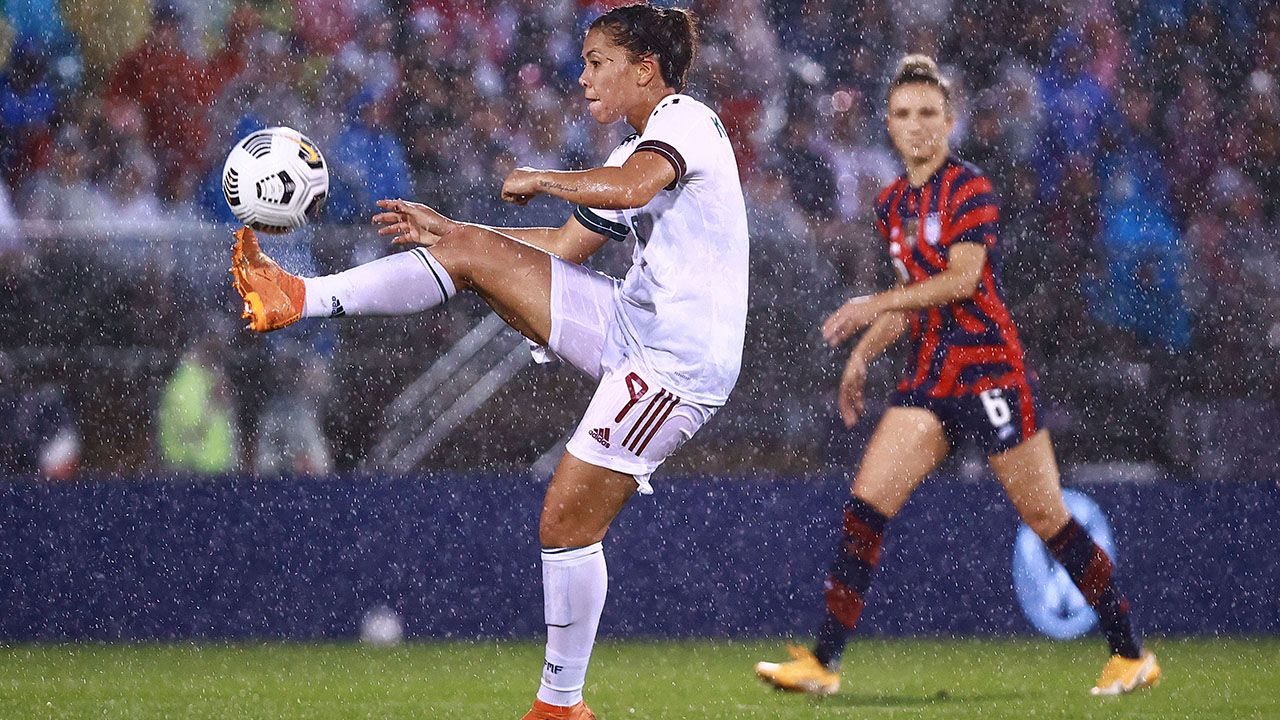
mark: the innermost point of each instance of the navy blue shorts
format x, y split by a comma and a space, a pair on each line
997, 420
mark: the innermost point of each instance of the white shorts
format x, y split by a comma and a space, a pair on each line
632, 423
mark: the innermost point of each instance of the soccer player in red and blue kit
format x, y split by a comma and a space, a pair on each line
966, 378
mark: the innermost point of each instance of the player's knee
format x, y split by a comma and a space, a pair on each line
458, 248
556, 530
1045, 521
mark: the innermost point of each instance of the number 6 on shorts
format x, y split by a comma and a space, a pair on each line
997, 407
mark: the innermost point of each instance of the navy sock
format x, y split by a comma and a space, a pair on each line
1091, 570
846, 586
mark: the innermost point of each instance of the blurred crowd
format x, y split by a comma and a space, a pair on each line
1135, 145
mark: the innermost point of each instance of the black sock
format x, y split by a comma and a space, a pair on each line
846, 586
1091, 570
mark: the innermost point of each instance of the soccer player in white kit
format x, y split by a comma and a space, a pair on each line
664, 343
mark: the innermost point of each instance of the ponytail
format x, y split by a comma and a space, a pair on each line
669, 34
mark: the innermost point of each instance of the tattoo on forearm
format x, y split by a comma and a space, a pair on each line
553, 185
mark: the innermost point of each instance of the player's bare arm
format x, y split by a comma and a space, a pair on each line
958, 282
571, 241
632, 185
883, 332
410, 223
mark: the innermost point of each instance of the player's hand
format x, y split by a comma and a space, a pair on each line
521, 186
411, 223
849, 319
850, 397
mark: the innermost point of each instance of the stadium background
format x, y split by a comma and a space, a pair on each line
1136, 146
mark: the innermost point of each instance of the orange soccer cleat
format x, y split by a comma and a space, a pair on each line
545, 711
272, 297
803, 674
1124, 675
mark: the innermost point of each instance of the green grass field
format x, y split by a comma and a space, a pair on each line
953, 679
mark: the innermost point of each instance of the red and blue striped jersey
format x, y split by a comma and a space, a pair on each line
969, 346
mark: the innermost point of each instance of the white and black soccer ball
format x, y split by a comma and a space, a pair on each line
275, 180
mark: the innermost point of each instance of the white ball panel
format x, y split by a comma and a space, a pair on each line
255, 188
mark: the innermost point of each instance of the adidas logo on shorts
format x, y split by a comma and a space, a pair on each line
601, 435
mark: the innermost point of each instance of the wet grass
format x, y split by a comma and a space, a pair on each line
953, 679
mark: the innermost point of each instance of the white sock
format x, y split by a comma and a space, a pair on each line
574, 582
400, 284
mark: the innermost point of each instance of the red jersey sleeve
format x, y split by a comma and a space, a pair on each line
973, 214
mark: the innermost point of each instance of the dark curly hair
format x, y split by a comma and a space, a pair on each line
669, 34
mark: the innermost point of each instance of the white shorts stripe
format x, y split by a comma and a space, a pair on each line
583, 333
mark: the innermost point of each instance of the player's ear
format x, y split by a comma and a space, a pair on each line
647, 70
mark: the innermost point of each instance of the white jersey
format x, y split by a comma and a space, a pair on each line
683, 304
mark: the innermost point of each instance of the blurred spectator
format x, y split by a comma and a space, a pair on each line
27, 106
106, 31
1143, 245
986, 144
267, 93
196, 420
37, 21
827, 31
776, 220
1017, 94
427, 118
326, 25
290, 438
1194, 136
975, 40
736, 39
175, 89
370, 56
38, 432
1255, 143
1076, 109
1235, 283
796, 284
480, 201
370, 158
1267, 54
63, 191
7, 36
132, 200
540, 140
861, 166
745, 26
49, 422
1108, 49
808, 172
15, 453
1210, 46
182, 201
540, 144
855, 150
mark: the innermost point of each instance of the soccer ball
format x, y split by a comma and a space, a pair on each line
275, 180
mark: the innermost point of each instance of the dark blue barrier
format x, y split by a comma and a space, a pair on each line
456, 556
